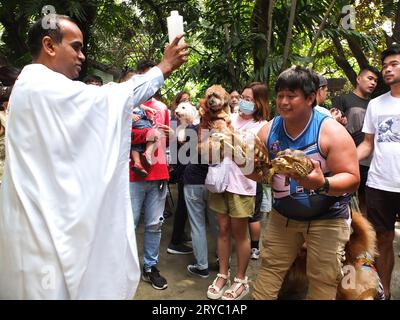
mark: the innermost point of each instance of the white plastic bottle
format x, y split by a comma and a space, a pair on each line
175, 26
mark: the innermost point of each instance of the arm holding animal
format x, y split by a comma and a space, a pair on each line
247, 150
339, 148
259, 175
210, 150
166, 130
163, 130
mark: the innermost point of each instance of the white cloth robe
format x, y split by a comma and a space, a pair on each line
66, 224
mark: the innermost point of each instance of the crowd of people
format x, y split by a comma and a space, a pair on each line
85, 161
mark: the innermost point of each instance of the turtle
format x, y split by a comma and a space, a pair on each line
243, 145
292, 162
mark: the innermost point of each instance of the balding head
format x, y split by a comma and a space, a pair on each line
41, 29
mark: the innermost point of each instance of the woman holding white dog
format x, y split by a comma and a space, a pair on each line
186, 114
235, 206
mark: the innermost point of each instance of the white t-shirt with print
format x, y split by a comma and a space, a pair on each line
383, 120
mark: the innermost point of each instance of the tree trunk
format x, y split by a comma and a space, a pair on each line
289, 34
269, 37
342, 62
231, 62
357, 52
269, 19
259, 25
396, 28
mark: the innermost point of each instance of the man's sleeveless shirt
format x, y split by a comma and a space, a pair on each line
292, 200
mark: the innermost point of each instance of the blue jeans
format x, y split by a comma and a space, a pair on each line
151, 197
196, 202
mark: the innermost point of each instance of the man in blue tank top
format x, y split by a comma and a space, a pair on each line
314, 209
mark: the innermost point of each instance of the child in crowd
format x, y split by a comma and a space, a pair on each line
142, 119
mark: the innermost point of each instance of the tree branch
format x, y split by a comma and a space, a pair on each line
259, 24
160, 16
357, 52
269, 19
320, 29
396, 28
342, 62
289, 34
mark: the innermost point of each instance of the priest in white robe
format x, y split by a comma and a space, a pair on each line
66, 225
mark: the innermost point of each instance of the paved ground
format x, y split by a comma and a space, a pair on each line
182, 286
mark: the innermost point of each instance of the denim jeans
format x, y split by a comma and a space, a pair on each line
151, 197
196, 202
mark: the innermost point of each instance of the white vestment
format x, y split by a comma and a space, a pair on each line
66, 224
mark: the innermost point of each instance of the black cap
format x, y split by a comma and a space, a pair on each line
322, 81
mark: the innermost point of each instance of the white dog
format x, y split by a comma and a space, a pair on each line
187, 114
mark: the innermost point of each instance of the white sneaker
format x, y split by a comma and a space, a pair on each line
255, 254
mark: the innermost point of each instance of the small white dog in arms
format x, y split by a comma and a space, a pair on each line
187, 115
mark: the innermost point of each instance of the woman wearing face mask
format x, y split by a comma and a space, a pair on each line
235, 206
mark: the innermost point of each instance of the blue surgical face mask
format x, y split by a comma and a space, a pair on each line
247, 107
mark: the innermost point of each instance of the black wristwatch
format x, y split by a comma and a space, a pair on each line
324, 189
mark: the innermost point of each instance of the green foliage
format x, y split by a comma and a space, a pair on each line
223, 44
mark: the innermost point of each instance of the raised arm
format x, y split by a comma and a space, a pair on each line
146, 85
174, 56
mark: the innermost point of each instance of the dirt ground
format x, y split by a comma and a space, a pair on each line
182, 286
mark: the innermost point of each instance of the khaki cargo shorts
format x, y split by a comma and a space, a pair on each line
235, 205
